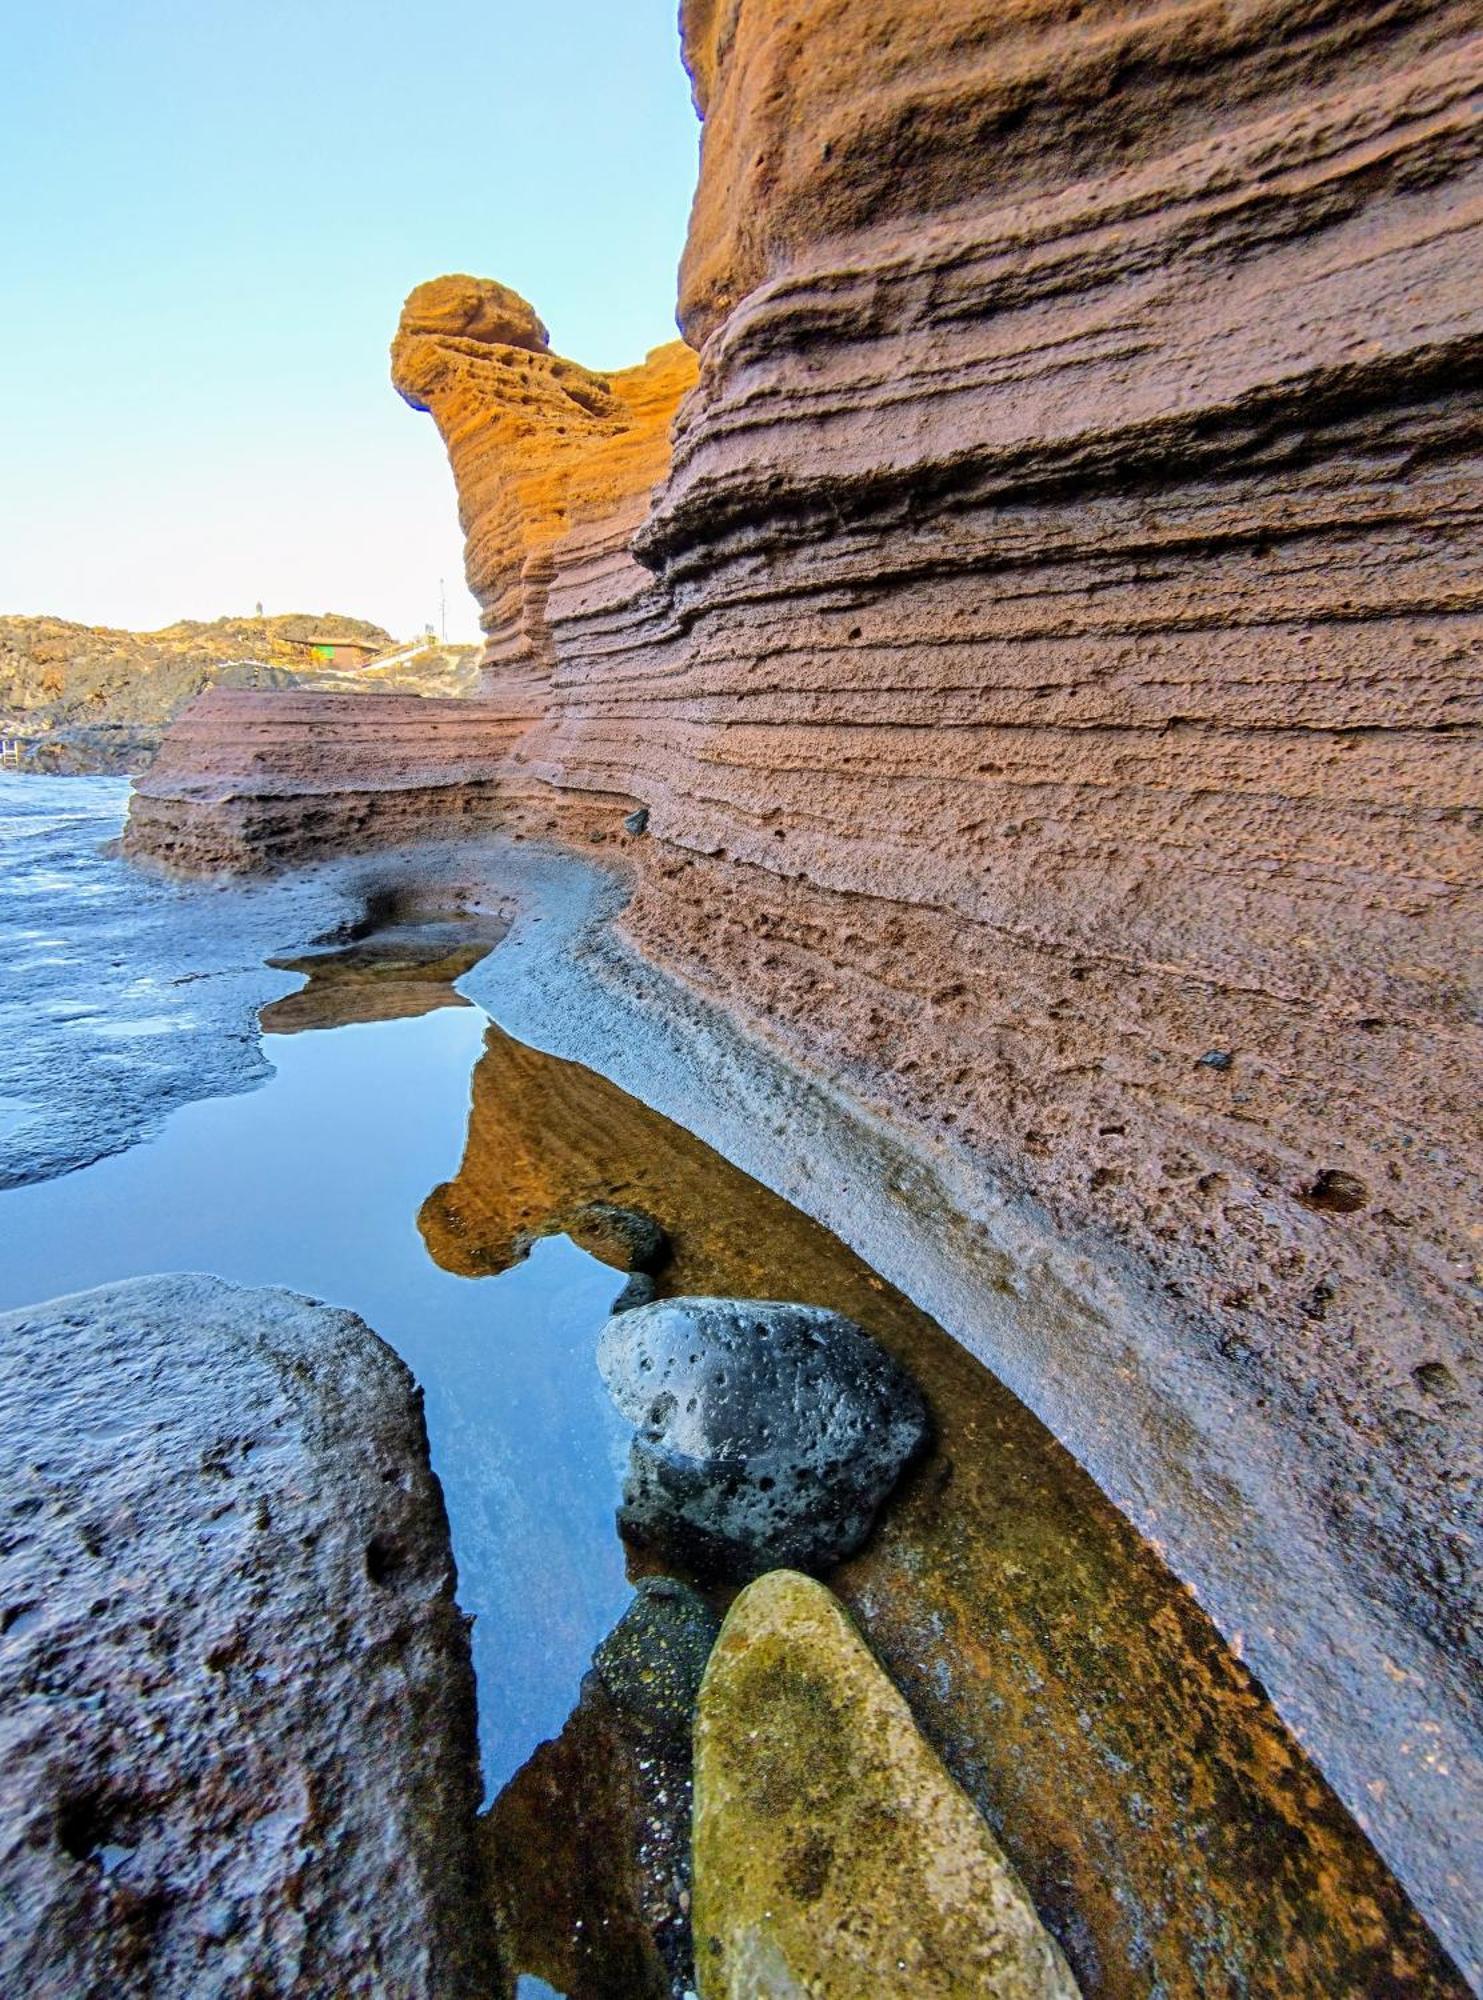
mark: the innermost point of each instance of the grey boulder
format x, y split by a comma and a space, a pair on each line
768, 1433
237, 1749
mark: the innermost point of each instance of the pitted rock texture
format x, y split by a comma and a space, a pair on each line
1049, 668
1055, 705
1125, 1758
768, 1433
834, 1856
251, 782
236, 1700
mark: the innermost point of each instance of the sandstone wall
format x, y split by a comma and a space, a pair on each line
1055, 702
246, 782
1050, 665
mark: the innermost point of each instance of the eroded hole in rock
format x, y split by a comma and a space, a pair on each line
972, 1603
385, 1555
84, 1825
1334, 1192
1435, 1378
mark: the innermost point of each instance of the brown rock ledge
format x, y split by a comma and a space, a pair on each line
248, 782
237, 1746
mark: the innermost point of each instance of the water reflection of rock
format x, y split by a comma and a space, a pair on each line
1125, 1759
393, 975
587, 1849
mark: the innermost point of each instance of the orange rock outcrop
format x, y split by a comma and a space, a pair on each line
1050, 665
541, 448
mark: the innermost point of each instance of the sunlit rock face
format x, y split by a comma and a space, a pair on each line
1051, 695
236, 1700
1046, 664
542, 449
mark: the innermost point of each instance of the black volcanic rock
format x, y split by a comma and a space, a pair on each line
769, 1433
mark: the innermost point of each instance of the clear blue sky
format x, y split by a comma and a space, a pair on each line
211, 212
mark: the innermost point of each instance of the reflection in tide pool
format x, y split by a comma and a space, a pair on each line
315, 1182
1132, 1768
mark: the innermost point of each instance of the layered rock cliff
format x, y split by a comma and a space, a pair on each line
1049, 666
245, 782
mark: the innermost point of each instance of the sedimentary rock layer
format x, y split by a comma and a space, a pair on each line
251, 781
1050, 668
238, 1708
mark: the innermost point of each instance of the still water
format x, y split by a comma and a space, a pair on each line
1170, 1830
314, 1182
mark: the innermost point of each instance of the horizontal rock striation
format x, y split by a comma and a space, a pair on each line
238, 1708
246, 782
1050, 668
1054, 692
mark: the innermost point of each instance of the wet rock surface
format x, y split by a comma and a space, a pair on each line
834, 1855
123, 995
1129, 1763
237, 1746
769, 1433
626, 1238
588, 1847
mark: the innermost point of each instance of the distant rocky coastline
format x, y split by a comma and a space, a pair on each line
93, 698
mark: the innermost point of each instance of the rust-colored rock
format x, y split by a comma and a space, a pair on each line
1049, 666
541, 448
253, 781
93, 698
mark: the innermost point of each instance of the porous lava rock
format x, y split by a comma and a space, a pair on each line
237, 1748
769, 1433
834, 1855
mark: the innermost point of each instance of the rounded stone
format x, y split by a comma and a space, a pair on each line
768, 1433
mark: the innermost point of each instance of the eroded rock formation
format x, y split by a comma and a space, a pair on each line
245, 782
554, 464
1049, 667
238, 1709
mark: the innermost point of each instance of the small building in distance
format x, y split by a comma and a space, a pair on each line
331, 650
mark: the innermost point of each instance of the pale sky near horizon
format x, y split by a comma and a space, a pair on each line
210, 214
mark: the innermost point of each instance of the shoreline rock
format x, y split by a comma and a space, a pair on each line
834, 1855
769, 1433
237, 1745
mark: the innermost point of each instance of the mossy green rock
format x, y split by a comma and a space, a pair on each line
834, 1856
